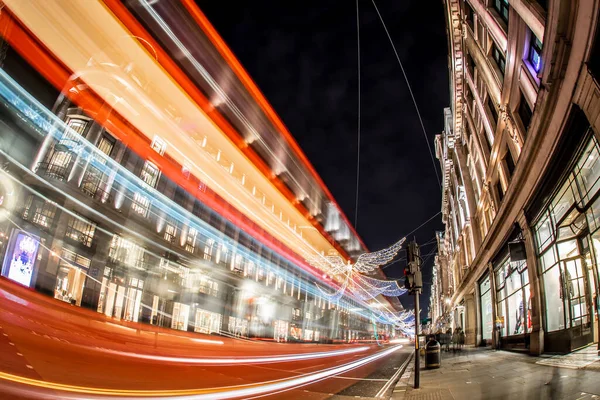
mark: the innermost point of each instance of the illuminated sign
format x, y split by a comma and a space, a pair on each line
22, 259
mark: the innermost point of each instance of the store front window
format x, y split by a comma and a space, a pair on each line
563, 233
208, 322
512, 297
70, 279
487, 320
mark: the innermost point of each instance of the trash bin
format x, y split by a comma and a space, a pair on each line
433, 357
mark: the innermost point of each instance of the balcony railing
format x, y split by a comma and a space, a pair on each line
53, 171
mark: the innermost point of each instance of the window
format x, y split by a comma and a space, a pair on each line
170, 231
502, 7
159, 145
500, 190
77, 125
150, 174
39, 212
125, 251
190, 240
535, 53
81, 230
140, 204
469, 16
525, 112
106, 144
470, 65
208, 249
94, 178
510, 164
493, 112
498, 57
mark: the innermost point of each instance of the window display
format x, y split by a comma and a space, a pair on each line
486, 309
22, 259
512, 295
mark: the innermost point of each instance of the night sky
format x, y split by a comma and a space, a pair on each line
303, 56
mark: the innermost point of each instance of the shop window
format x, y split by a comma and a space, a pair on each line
39, 212
81, 230
587, 172
501, 6
512, 294
499, 58
544, 232
487, 322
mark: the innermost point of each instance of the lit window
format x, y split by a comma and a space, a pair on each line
190, 240
502, 7
150, 174
535, 53
125, 251
39, 212
81, 230
140, 204
499, 58
208, 249
170, 232
159, 145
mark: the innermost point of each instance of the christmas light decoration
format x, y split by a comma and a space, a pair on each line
352, 278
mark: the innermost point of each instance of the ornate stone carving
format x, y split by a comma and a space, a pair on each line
506, 116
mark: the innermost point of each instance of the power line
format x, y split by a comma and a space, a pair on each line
411, 94
358, 147
423, 224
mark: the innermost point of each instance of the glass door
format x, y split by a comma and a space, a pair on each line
577, 302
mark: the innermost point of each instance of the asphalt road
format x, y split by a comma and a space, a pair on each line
50, 349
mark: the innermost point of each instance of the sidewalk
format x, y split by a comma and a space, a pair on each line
479, 373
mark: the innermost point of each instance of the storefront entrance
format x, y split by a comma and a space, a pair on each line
121, 301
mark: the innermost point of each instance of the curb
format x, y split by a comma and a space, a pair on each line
407, 370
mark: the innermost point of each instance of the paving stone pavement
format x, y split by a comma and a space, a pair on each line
480, 373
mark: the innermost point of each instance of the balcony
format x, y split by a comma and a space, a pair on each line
53, 171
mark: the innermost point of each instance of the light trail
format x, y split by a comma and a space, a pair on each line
224, 392
232, 360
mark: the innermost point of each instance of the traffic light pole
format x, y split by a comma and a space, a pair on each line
417, 357
414, 282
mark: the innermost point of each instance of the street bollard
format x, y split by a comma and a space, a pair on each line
433, 357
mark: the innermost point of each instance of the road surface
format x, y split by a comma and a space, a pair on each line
50, 349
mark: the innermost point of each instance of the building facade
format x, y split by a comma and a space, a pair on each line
520, 173
145, 186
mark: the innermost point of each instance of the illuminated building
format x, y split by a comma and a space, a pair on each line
519, 156
158, 183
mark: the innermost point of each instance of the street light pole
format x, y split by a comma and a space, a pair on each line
417, 358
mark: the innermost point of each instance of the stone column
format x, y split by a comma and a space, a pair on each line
536, 343
470, 319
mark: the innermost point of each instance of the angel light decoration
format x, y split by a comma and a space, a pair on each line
352, 277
